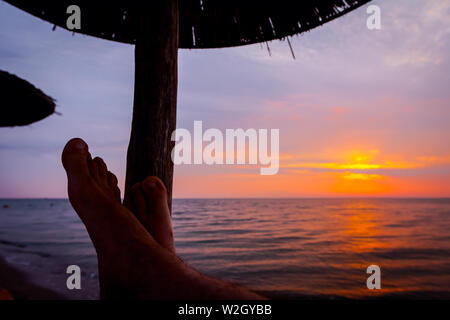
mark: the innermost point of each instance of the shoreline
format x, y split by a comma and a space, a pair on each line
18, 284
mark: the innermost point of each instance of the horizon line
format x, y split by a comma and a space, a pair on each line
266, 198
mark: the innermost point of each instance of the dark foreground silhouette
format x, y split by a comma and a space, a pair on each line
136, 252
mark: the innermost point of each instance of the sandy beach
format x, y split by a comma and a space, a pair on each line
21, 287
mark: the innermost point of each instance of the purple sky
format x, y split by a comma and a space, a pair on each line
348, 89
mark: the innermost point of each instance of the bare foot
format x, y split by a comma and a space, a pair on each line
133, 263
121, 242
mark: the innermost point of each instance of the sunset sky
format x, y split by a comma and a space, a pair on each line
360, 112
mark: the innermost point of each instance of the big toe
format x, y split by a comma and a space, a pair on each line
157, 217
74, 158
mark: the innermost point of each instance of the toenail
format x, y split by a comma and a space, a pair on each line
150, 184
80, 145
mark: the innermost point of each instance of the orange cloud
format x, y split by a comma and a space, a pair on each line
361, 176
357, 160
355, 166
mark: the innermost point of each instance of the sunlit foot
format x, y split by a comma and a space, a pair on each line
123, 245
92, 189
132, 263
151, 208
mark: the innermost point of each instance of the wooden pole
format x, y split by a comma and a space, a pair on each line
155, 96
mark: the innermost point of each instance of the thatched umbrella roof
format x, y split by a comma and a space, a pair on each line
202, 23
158, 28
22, 103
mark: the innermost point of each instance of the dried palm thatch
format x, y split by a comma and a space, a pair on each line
159, 28
23, 103
202, 23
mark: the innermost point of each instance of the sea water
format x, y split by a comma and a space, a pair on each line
292, 248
